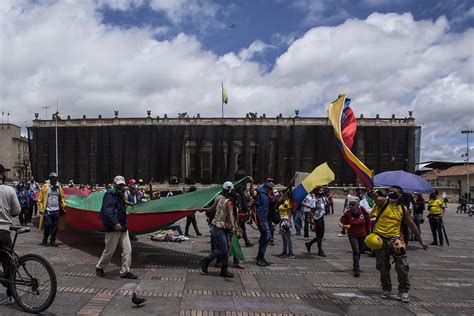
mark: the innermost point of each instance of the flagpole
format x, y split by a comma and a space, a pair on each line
222, 99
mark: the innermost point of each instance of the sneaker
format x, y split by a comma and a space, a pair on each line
53, 244
321, 253
291, 256
198, 234
282, 255
226, 274
386, 295
356, 274
204, 265
261, 262
434, 243
308, 246
404, 298
100, 272
341, 235
129, 275
238, 266
249, 244
43, 243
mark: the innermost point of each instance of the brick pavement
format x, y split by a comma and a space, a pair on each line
169, 277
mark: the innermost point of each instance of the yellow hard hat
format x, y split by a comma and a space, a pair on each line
373, 241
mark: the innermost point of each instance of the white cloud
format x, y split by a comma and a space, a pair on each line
388, 63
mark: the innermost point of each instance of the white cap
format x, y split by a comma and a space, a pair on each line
119, 180
353, 200
228, 185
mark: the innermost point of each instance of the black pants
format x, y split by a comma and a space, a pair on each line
357, 245
51, 222
319, 233
331, 206
191, 219
24, 215
5, 243
436, 230
244, 230
307, 219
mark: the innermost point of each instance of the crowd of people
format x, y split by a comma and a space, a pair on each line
379, 222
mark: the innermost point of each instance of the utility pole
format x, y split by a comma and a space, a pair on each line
467, 132
56, 116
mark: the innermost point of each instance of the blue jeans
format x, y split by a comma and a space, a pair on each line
221, 243
287, 245
51, 221
265, 236
297, 219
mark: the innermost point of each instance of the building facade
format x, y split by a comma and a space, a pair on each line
211, 150
14, 153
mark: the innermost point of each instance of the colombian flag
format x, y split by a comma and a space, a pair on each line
345, 126
321, 175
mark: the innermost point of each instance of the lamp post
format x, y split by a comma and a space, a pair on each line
467, 132
56, 132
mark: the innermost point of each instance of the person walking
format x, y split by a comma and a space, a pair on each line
23, 196
418, 210
222, 225
318, 222
330, 199
356, 221
265, 202
308, 205
9, 208
387, 227
191, 219
436, 208
51, 204
286, 209
113, 215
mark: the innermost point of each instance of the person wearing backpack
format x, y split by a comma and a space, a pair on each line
265, 202
356, 221
387, 228
113, 215
318, 222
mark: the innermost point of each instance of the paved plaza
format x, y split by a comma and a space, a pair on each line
169, 277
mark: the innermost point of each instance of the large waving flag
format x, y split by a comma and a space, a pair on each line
225, 96
321, 175
345, 126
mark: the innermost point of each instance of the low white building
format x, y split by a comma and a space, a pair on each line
457, 176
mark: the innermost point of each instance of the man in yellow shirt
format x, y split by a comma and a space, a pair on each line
389, 217
436, 209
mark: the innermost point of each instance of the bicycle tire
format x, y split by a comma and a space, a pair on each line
19, 271
470, 212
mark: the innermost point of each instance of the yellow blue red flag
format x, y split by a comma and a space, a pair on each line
321, 175
344, 123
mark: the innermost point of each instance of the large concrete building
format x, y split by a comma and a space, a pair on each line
14, 152
211, 150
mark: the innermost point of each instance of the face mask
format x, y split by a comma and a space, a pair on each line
53, 181
269, 184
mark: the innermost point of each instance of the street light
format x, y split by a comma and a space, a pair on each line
56, 115
467, 132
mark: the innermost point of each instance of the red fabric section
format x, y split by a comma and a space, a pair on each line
75, 191
349, 128
360, 224
137, 222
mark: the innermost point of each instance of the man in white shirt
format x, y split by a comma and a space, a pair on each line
318, 221
309, 203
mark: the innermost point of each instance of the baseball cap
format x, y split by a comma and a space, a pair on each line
119, 180
228, 185
53, 175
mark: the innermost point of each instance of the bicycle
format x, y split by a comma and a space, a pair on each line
31, 280
470, 212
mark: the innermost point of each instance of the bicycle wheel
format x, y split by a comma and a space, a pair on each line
470, 212
33, 284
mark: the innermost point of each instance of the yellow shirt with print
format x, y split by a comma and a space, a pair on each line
436, 206
284, 209
388, 224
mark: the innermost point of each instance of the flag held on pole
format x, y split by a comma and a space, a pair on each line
345, 126
321, 175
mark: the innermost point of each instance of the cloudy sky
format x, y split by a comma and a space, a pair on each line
170, 56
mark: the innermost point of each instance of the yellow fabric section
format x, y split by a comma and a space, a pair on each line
225, 97
321, 175
388, 224
435, 206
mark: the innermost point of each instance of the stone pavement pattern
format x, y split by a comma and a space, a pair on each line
169, 277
